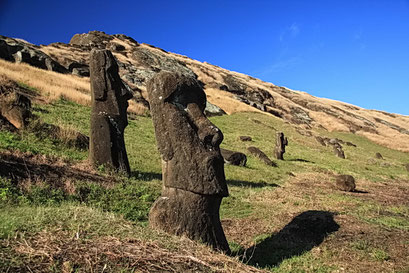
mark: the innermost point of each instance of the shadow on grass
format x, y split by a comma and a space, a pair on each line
301, 160
240, 183
147, 176
305, 231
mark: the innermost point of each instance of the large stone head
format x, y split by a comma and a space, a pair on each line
108, 92
187, 140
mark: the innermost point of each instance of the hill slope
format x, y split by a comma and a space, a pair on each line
231, 91
58, 214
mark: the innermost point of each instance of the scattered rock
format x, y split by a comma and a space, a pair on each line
378, 156
234, 158
345, 182
261, 155
192, 165
108, 112
350, 144
281, 142
245, 138
320, 140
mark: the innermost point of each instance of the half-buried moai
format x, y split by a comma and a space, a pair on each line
192, 166
281, 142
109, 97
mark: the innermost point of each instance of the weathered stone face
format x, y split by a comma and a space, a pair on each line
192, 165
109, 98
187, 140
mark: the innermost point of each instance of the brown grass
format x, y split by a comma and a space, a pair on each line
51, 85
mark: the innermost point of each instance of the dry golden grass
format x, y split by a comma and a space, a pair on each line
51, 85
227, 102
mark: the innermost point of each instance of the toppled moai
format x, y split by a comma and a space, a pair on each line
281, 142
378, 156
345, 182
261, 155
234, 158
192, 166
109, 98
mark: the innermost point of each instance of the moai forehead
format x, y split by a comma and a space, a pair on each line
105, 78
176, 89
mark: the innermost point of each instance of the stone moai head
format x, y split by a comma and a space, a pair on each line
109, 98
108, 93
187, 140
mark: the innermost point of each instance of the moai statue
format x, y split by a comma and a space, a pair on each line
192, 166
109, 98
281, 142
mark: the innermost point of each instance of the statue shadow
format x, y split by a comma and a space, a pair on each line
305, 231
301, 160
146, 176
241, 183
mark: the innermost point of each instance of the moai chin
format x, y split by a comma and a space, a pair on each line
192, 166
109, 98
281, 142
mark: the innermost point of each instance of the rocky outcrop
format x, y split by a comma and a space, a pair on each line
109, 97
17, 51
213, 110
192, 166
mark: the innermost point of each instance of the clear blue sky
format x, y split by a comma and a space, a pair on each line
356, 51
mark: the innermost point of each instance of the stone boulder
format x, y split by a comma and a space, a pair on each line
378, 156
109, 99
281, 142
192, 165
234, 158
345, 182
261, 155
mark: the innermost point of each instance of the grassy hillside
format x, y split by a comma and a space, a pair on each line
57, 214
